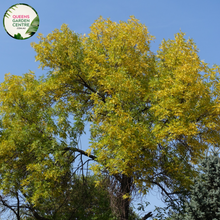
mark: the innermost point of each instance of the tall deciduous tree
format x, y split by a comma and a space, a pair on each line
152, 115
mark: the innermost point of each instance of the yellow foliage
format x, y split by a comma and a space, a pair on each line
148, 111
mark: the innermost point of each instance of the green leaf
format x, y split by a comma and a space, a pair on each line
35, 22
18, 36
32, 29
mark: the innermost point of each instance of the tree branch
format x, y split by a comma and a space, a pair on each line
80, 151
84, 83
148, 215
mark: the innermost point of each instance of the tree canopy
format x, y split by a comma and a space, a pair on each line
152, 115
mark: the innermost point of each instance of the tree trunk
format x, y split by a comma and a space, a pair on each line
126, 183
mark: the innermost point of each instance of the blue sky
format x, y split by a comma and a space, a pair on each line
198, 19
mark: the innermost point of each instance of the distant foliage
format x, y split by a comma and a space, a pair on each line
205, 192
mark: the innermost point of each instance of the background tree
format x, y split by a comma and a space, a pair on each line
205, 199
82, 200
